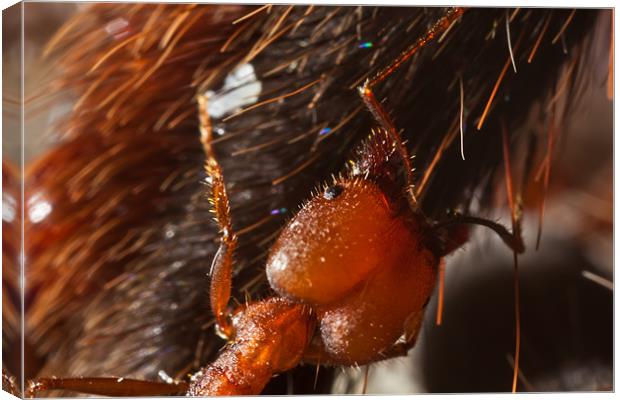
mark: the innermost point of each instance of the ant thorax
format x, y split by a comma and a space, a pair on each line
356, 254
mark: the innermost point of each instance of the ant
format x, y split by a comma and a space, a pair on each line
359, 243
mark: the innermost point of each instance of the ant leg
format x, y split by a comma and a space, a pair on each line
512, 240
106, 386
375, 108
221, 268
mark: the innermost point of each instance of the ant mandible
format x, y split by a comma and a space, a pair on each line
357, 245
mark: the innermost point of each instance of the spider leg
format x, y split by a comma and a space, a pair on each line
106, 386
221, 267
379, 113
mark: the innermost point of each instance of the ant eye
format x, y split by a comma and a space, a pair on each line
332, 192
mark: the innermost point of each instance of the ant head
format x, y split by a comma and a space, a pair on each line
349, 253
345, 230
337, 238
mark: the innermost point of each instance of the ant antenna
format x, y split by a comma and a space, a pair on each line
379, 113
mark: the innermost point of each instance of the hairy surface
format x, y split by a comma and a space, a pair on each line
116, 273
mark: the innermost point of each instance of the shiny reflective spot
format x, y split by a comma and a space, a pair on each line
8, 208
241, 88
117, 28
38, 208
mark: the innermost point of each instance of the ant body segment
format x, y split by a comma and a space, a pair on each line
337, 266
